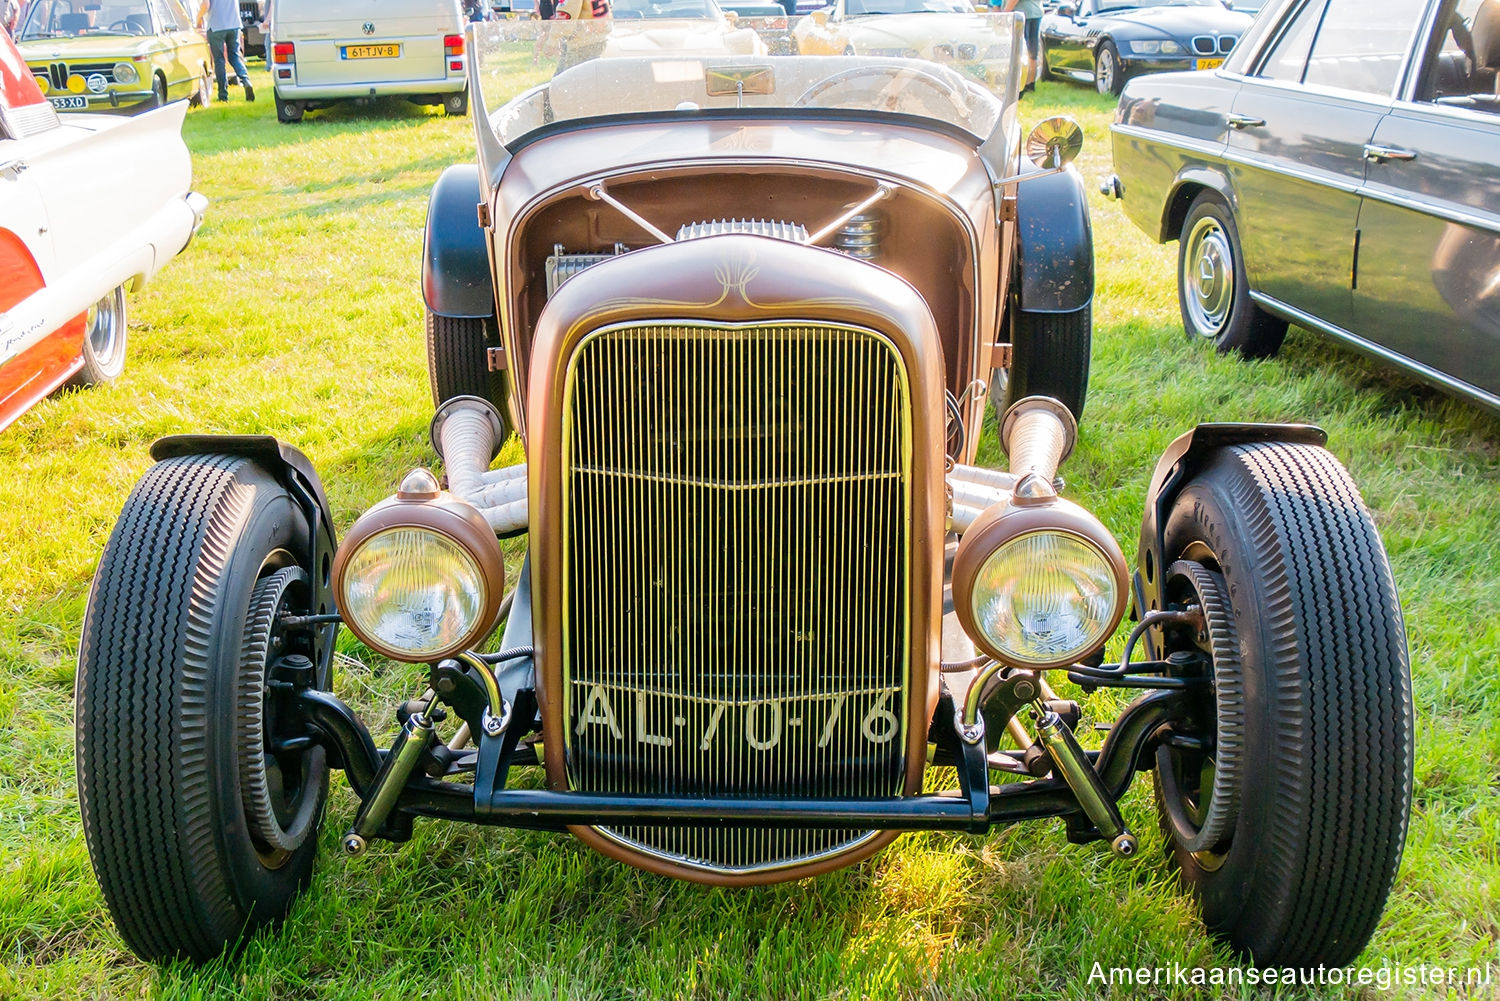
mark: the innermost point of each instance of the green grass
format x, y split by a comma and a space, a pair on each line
296, 312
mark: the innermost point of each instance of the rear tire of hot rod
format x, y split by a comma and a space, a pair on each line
458, 361
201, 828
1213, 289
1049, 357
1312, 721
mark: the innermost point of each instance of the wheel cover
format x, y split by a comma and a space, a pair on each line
1201, 825
1208, 277
280, 792
104, 329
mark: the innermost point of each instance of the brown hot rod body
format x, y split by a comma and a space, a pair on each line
746, 314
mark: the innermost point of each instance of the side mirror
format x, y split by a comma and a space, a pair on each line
1054, 143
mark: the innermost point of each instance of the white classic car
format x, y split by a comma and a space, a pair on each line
89, 205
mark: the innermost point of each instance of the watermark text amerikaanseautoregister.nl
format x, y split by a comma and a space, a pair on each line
1465, 980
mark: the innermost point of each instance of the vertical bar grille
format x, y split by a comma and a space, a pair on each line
736, 515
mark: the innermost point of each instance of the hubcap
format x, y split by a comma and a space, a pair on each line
1106, 71
1208, 278
104, 330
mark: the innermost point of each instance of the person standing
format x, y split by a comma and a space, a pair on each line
224, 36
1032, 11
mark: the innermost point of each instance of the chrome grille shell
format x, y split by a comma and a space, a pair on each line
736, 502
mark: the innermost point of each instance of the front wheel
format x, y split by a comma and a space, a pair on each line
1213, 289
158, 93
458, 361
1049, 357
1286, 817
1109, 74
200, 804
104, 341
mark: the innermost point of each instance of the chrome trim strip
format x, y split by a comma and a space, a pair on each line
1385, 354
1439, 210
1199, 146
1281, 167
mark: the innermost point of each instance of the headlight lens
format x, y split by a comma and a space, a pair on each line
1155, 47
125, 73
1046, 598
412, 592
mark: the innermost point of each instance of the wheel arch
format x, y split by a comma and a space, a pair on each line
1186, 455
456, 277
291, 469
1055, 262
1188, 185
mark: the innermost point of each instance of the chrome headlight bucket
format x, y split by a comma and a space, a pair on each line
1039, 586
125, 73
419, 576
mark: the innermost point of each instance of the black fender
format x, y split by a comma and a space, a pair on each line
456, 278
1055, 244
292, 470
1177, 465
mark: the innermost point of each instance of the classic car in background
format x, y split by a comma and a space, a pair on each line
1342, 173
686, 27
744, 313
117, 54
253, 40
327, 51
88, 207
911, 29
1106, 42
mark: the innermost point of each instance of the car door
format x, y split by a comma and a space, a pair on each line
1297, 135
1066, 38
177, 30
1428, 279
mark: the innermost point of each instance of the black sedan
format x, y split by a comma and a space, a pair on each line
1105, 42
1341, 172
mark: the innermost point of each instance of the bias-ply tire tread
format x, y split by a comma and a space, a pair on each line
1327, 778
157, 780
457, 362
1049, 357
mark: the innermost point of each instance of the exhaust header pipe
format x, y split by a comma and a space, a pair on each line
466, 431
1038, 433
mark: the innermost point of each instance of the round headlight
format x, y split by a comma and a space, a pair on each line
419, 577
1039, 586
125, 73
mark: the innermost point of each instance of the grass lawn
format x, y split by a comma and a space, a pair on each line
296, 312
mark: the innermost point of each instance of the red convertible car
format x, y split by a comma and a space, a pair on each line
89, 205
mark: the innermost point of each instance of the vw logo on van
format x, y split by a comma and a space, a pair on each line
369, 27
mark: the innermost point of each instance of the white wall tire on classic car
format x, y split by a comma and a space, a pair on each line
201, 830
1213, 289
1109, 74
458, 362
1049, 357
104, 339
1308, 782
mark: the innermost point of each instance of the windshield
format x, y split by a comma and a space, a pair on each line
1105, 5
957, 69
74, 18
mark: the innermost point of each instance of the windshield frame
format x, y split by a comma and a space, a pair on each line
34, 12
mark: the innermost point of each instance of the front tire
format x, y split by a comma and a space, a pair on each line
458, 362
1213, 289
179, 778
1049, 357
105, 334
1307, 779
1109, 73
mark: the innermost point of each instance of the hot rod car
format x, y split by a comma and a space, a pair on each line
745, 314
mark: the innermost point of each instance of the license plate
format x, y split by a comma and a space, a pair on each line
371, 51
1210, 64
606, 715
69, 103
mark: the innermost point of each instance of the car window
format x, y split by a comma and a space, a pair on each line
1361, 45
1286, 58
166, 15
70, 19
1463, 66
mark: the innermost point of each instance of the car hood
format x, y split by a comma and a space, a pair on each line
95, 49
1173, 22
914, 31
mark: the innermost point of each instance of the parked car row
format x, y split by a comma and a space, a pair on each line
1340, 172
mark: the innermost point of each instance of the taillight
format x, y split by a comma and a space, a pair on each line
453, 45
284, 52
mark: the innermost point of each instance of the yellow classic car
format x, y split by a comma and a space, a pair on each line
979, 45
123, 55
